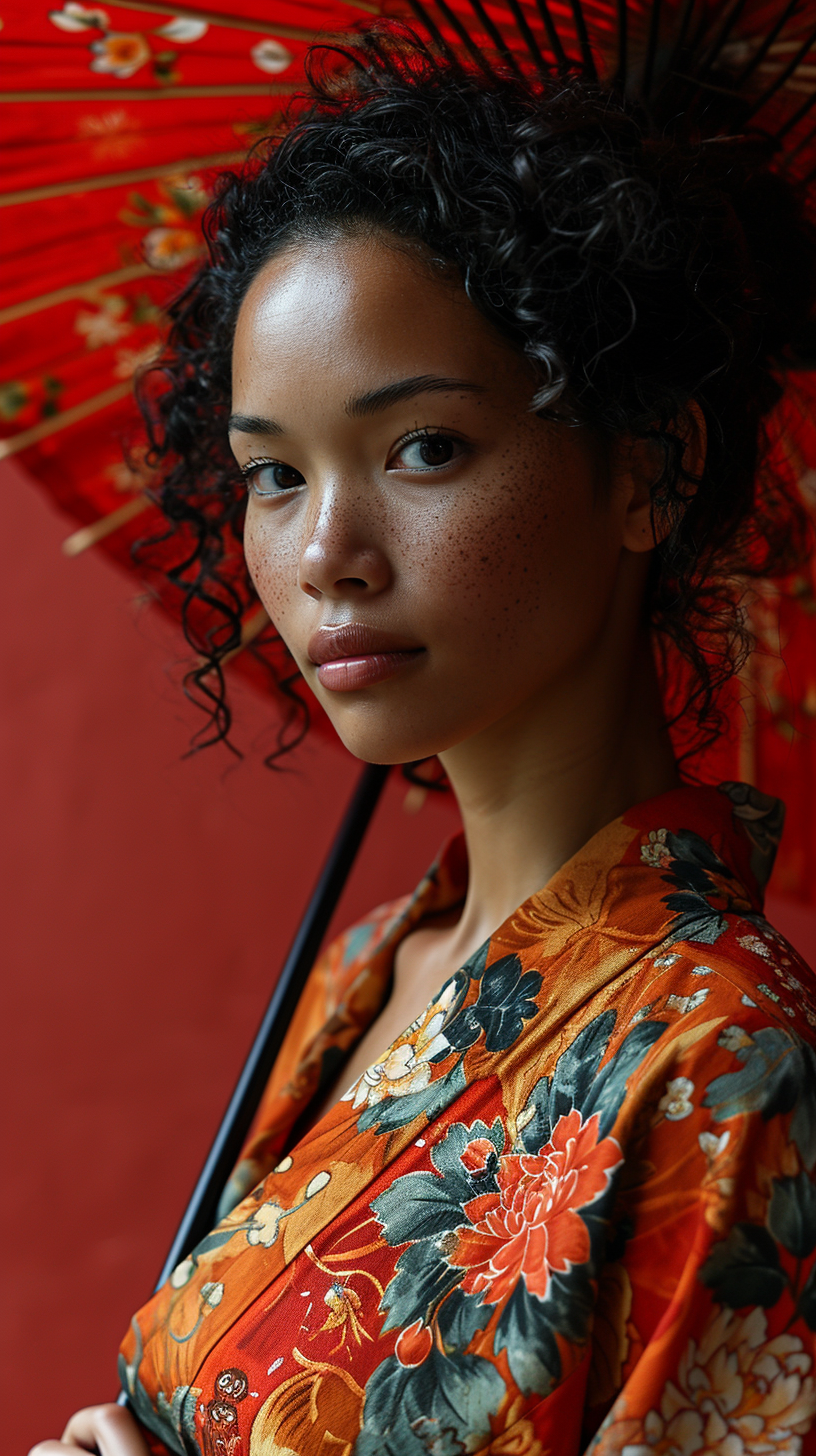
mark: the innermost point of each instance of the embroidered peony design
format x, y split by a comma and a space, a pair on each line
531, 1227
736, 1394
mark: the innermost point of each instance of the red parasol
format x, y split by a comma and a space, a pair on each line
119, 115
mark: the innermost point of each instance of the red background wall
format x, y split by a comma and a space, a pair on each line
148, 902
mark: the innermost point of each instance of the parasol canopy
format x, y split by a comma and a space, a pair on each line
117, 118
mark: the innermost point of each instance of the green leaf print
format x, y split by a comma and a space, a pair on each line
778, 1076
744, 1268
792, 1214
441, 1406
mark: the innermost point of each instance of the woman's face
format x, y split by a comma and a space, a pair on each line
434, 555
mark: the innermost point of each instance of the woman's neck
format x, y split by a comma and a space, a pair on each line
534, 787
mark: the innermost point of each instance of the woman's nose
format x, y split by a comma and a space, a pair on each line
342, 555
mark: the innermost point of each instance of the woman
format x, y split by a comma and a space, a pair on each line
493, 357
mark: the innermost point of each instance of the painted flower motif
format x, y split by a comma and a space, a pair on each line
73, 18
183, 30
170, 247
212, 1294
655, 851
664, 961
271, 56
532, 1227
263, 1226
675, 1103
120, 55
105, 325
766, 991
736, 1394
111, 135
129, 361
406, 1068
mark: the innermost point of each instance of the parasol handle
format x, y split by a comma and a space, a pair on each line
199, 1216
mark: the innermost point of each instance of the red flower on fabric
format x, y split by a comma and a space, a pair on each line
532, 1226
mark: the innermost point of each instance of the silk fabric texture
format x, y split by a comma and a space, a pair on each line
571, 1209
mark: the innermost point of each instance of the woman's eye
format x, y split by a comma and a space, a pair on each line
271, 477
427, 452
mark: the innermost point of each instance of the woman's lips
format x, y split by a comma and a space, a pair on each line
347, 673
356, 656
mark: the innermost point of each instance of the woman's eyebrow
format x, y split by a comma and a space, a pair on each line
253, 425
366, 404
390, 394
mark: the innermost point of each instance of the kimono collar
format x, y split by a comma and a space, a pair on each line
740, 825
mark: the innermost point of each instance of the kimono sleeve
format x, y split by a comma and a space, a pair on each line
703, 1337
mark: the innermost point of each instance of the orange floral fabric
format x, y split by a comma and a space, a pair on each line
571, 1209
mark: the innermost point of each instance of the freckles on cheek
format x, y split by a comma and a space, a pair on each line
273, 574
497, 560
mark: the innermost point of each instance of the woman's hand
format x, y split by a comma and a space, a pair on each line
108, 1429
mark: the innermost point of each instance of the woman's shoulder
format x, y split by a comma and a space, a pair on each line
750, 967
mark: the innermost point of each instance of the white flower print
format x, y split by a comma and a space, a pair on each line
212, 1294
406, 1068
318, 1183
688, 1003
732, 1038
665, 961
74, 17
736, 1393
655, 851
182, 1274
105, 325
712, 1145
758, 946
675, 1103
183, 30
263, 1226
271, 56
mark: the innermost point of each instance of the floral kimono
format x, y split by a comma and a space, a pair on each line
571, 1209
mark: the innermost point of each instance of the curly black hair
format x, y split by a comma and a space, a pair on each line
638, 264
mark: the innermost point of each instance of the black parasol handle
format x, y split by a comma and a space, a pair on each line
199, 1216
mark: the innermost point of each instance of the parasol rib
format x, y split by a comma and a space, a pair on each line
88, 536
250, 629
155, 93
767, 45
86, 289
651, 49
792, 67
217, 17
118, 179
13, 444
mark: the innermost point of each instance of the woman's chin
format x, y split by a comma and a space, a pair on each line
374, 743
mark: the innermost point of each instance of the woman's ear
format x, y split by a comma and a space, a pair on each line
639, 465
